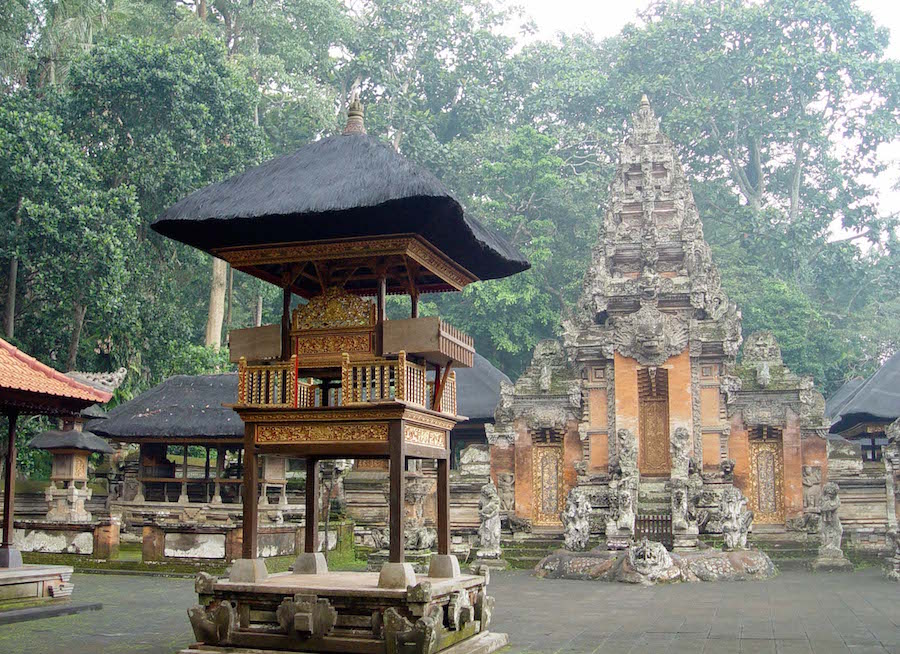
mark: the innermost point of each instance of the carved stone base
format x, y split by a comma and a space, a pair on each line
10, 557
248, 571
492, 564
686, 540
619, 539
396, 575
443, 565
831, 563
310, 563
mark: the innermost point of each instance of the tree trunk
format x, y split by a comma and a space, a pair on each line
77, 323
9, 319
201, 10
258, 321
216, 305
230, 297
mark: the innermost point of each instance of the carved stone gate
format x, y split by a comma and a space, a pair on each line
766, 497
547, 478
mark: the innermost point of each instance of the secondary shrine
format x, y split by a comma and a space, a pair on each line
341, 222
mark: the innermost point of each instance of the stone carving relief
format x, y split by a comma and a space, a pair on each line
489, 530
650, 336
680, 445
649, 559
736, 518
576, 520
506, 489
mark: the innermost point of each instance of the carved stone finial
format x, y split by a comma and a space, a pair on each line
355, 124
645, 124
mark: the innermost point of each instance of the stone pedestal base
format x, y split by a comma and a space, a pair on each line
396, 575
310, 563
248, 571
685, 540
10, 557
893, 569
493, 564
831, 563
443, 565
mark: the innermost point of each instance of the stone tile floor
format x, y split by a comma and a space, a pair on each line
794, 613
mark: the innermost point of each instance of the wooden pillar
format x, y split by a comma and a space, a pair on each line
398, 494
250, 496
286, 323
9, 490
183, 497
206, 477
443, 505
311, 540
380, 313
220, 468
414, 304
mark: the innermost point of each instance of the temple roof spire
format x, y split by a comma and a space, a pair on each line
355, 124
645, 124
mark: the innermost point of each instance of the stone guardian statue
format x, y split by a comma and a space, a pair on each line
489, 530
576, 520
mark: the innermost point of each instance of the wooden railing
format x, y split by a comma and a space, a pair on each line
268, 384
456, 344
374, 379
448, 400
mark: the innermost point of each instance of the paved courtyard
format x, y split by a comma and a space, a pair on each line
793, 613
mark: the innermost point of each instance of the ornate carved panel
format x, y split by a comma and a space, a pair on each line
372, 432
766, 481
653, 415
423, 436
547, 477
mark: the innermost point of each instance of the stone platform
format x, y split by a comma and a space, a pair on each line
344, 611
27, 583
650, 563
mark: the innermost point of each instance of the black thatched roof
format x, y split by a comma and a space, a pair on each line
478, 389
70, 439
182, 407
877, 398
838, 399
344, 186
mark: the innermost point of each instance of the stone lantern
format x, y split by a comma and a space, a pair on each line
68, 490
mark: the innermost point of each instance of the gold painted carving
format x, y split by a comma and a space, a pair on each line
335, 308
353, 433
311, 345
547, 480
423, 436
766, 482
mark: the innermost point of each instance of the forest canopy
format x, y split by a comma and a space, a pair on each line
110, 110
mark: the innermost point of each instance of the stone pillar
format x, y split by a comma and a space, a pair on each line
154, 543
220, 467
106, 540
234, 539
183, 497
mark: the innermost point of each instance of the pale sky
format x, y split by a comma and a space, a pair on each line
606, 17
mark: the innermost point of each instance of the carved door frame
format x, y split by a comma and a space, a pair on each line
653, 394
546, 449
766, 448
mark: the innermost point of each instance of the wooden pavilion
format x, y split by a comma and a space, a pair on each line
28, 387
339, 221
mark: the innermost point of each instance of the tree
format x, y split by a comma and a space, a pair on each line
73, 237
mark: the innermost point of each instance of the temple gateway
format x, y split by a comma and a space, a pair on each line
641, 403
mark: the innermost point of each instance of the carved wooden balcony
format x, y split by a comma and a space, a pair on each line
277, 384
431, 339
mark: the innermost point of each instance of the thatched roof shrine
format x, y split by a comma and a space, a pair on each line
182, 408
350, 186
876, 398
479, 390
70, 439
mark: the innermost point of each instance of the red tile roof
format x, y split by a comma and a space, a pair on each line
23, 373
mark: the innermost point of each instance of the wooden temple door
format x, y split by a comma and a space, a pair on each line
653, 422
766, 496
547, 478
